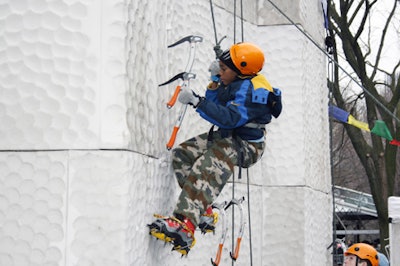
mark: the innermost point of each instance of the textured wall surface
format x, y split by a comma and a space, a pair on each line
394, 229
84, 124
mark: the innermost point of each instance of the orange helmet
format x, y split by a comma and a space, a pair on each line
247, 58
364, 252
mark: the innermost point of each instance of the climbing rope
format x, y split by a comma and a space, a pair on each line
241, 21
218, 52
248, 213
241, 18
213, 21
240, 149
217, 48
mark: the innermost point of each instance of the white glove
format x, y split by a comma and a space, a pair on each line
214, 71
187, 96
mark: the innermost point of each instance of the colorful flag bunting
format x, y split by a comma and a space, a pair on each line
381, 129
338, 113
352, 121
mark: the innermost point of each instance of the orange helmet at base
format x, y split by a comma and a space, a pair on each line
364, 252
248, 58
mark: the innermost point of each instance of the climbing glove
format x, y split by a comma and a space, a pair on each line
189, 97
214, 71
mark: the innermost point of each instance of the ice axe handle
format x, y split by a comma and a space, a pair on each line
218, 258
171, 141
237, 248
172, 101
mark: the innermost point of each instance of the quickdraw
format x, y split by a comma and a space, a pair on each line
184, 78
222, 208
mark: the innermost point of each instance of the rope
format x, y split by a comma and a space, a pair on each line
234, 21
217, 47
241, 21
337, 64
330, 85
78, 149
240, 152
247, 170
213, 20
249, 215
241, 18
239, 148
233, 211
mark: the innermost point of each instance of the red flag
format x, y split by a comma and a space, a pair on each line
395, 142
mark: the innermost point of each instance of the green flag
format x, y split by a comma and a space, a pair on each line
381, 130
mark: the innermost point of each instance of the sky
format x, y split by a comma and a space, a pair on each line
391, 54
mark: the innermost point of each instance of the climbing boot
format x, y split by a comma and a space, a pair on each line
172, 230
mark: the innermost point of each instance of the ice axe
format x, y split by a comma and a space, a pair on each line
237, 202
190, 38
221, 207
184, 78
193, 40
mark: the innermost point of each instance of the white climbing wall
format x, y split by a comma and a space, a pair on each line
394, 229
83, 163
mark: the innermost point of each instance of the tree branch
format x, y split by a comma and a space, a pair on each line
383, 37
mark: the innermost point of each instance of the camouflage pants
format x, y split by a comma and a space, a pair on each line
202, 171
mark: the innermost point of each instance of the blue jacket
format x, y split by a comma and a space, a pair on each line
249, 100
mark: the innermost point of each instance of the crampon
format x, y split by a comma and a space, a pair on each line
208, 221
172, 230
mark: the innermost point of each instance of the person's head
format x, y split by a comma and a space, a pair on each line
361, 254
242, 59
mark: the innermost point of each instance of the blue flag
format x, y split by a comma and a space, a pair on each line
339, 114
324, 4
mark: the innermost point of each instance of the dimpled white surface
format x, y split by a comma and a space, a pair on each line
84, 124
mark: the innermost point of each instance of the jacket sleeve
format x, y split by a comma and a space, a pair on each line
212, 95
229, 116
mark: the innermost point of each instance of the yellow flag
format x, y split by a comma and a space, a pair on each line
352, 121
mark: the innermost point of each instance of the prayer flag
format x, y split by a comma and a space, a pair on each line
352, 121
338, 113
381, 130
395, 142
324, 4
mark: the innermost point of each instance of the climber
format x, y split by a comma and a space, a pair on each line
361, 254
240, 102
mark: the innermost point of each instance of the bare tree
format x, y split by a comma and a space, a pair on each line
352, 28
347, 169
